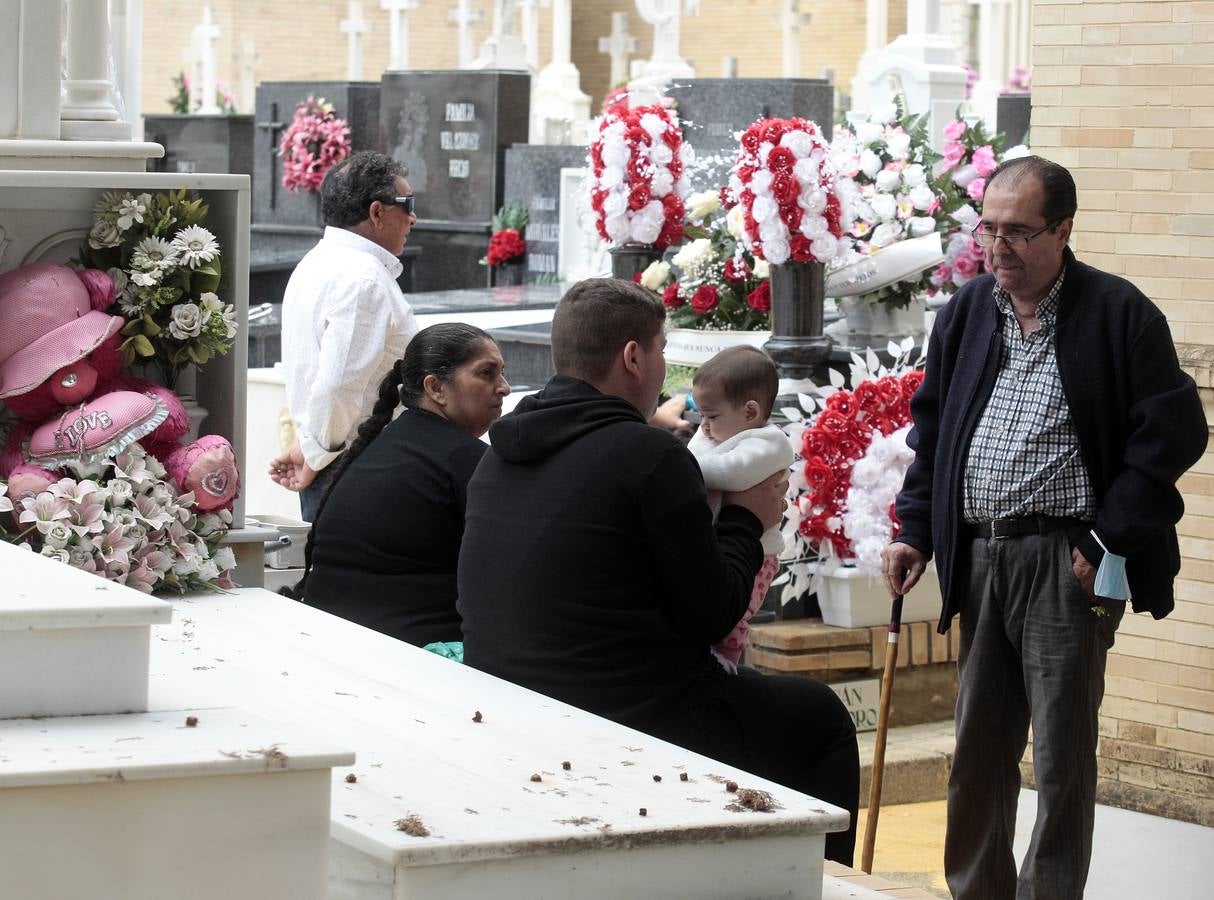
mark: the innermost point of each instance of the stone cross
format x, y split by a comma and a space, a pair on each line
207, 34
922, 16
398, 31
531, 29
876, 24
354, 26
464, 16
559, 108
272, 128
791, 20
503, 49
664, 16
620, 45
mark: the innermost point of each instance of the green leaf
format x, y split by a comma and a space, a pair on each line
150, 328
135, 326
142, 345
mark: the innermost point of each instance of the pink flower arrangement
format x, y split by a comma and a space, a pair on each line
1021, 81
787, 189
315, 141
637, 186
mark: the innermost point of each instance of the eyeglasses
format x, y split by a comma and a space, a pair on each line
405, 203
1014, 241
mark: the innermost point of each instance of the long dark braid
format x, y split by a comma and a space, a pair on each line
437, 350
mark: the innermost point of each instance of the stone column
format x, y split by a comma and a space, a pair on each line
87, 112
558, 104
876, 24
208, 33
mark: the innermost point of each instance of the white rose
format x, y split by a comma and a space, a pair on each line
186, 321
921, 225
703, 204
655, 275
644, 231
922, 197
776, 252
799, 142
813, 226
764, 208
868, 132
885, 206
58, 536
885, 234
898, 145
888, 180
661, 154
761, 182
56, 553
611, 177
914, 175
654, 124
762, 269
662, 183
813, 201
965, 215
883, 113
824, 247
689, 254
615, 204
735, 221
870, 163
963, 176
615, 153
225, 558
103, 234
773, 230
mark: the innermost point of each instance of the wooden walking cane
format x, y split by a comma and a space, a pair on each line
887, 690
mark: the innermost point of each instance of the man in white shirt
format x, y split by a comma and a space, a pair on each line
345, 322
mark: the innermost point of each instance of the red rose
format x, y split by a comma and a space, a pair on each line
760, 298
890, 389
505, 245
791, 216
672, 138
834, 424
671, 298
672, 233
751, 140
867, 396
842, 403
884, 424
799, 247
676, 167
637, 135
773, 130
728, 200
832, 214
596, 157
745, 173
861, 432
781, 160
851, 451
705, 299
639, 196
785, 188
672, 206
638, 169
910, 382
819, 474
815, 443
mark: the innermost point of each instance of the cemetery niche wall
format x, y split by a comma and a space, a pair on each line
218, 145
533, 181
452, 128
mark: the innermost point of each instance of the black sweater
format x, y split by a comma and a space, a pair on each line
1137, 414
388, 538
591, 570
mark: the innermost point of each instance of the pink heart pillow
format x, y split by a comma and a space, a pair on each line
96, 430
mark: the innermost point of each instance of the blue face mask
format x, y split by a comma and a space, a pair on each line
1111, 582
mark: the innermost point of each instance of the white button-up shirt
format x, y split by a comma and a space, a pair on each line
345, 323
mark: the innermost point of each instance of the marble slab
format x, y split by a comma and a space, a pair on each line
1013, 115
194, 143
533, 181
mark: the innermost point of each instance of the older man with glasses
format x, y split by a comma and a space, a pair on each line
1049, 433
345, 321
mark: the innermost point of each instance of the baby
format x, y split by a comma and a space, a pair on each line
736, 449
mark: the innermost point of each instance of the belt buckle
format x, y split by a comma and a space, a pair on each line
997, 533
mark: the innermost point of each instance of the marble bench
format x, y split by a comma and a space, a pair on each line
530, 798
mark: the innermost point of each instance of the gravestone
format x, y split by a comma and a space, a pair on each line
452, 128
1012, 115
714, 110
195, 143
533, 181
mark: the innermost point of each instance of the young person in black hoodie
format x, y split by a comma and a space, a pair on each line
591, 570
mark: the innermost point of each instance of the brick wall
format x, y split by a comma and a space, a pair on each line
1123, 95
300, 39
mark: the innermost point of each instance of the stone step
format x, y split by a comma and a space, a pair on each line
917, 760
152, 806
71, 644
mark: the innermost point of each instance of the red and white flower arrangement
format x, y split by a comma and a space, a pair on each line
786, 186
853, 457
637, 185
315, 141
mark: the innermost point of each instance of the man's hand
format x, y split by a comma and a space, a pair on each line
1085, 573
765, 499
290, 470
670, 416
902, 565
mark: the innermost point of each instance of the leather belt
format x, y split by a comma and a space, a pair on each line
1025, 525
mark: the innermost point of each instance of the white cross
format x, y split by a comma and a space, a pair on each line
354, 26
465, 17
620, 45
791, 20
922, 16
398, 31
876, 24
206, 34
531, 29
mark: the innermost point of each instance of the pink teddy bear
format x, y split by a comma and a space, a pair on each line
61, 373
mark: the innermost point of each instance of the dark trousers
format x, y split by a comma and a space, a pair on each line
1033, 651
785, 728
310, 497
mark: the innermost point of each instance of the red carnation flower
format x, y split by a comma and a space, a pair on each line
705, 299
760, 298
671, 298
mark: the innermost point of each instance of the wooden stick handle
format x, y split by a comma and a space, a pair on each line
878, 769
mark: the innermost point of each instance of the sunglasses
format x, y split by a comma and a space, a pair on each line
405, 203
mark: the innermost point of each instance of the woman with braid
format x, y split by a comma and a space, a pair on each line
384, 547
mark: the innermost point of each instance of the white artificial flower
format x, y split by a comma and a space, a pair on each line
922, 197
146, 279
615, 153
186, 321
655, 275
229, 321
761, 182
660, 153
799, 142
703, 204
692, 255
617, 227
661, 183
868, 132
812, 200
654, 124
898, 144
130, 210
225, 558
58, 536
885, 234
762, 269
195, 245
888, 180
884, 113
6, 505
870, 163
773, 230
921, 225
121, 492
805, 171
825, 247
104, 234
813, 226
914, 175
735, 221
965, 215
776, 252
51, 552
885, 206
763, 209
154, 252
615, 203
963, 176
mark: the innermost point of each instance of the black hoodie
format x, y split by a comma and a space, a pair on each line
590, 569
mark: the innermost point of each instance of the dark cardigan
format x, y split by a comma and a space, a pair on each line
387, 541
1137, 414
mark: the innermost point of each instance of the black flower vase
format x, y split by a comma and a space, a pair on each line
509, 273
797, 345
628, 260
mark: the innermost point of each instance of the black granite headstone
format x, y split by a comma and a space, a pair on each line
533, 181
452, 128
216, 144
1012, 115
714, 110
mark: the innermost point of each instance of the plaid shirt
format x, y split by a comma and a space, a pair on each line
1024, 457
